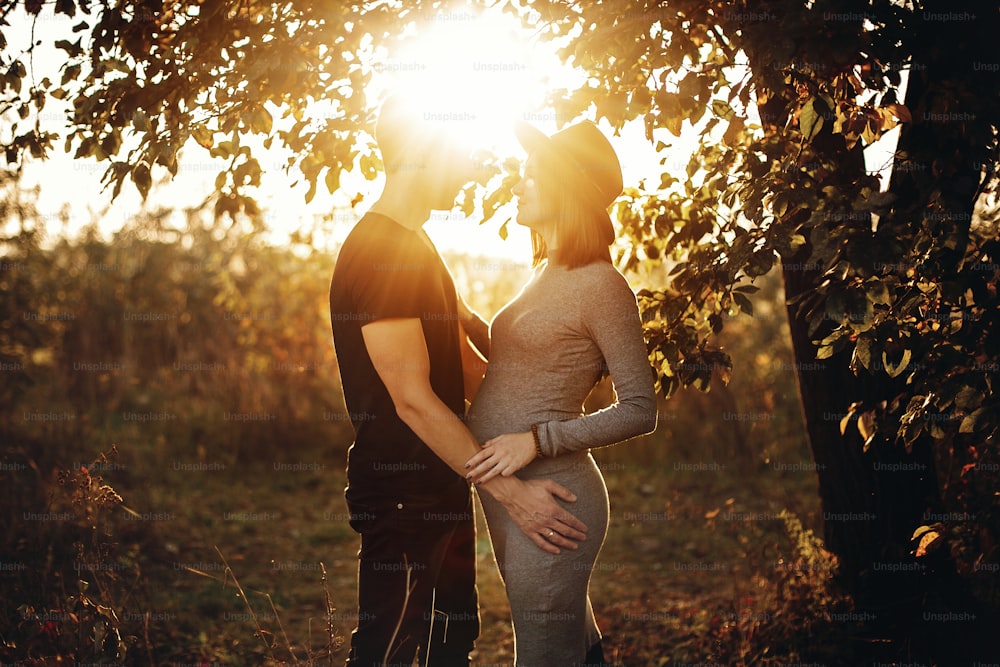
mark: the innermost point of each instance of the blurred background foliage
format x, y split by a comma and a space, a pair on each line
200, 336
165, 333
219, 342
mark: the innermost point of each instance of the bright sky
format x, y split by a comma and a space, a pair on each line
501, 76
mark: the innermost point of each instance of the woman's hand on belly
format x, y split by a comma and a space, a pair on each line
503, 455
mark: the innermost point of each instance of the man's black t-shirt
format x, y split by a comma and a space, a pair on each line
385, 270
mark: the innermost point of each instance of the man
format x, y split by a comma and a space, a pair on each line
401, 338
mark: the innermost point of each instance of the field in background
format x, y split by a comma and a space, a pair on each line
206, 359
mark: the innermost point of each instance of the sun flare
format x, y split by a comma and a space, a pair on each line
476, 74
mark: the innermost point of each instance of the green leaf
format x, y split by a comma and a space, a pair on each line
863, 351
810, 122
893, 370
142, 178
971, 423
744, 303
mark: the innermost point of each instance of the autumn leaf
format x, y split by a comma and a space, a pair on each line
928, 539
203, 136
899, 111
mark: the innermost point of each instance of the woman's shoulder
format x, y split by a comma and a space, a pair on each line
600, 275
598, 288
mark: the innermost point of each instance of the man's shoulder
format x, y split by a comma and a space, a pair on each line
369, 227
371, 238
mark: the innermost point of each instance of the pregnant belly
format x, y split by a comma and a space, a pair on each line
488, 421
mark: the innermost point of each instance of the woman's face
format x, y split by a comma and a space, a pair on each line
533, 211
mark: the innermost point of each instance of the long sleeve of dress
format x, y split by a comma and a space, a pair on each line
611, 318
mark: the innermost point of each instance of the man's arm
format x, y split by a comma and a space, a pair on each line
476, 328
473, 365
398, 351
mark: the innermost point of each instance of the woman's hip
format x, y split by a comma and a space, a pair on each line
590, 507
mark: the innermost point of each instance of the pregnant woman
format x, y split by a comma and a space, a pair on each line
575, 321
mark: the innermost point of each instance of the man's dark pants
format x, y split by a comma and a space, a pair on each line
428, 548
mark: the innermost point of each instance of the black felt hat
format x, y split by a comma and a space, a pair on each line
589, 161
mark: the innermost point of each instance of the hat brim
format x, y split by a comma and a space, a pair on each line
531, 138
534, 140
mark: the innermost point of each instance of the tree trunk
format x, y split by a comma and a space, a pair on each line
873, 501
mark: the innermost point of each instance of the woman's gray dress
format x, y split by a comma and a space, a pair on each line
549, 347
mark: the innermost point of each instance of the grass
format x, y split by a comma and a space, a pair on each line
676, 563
689, 570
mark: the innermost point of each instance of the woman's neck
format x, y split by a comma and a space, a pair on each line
549, 238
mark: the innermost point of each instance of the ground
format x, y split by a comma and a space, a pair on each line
685, 550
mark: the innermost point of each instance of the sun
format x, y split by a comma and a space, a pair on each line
475, 74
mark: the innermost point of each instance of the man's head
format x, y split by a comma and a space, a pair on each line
421, 152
